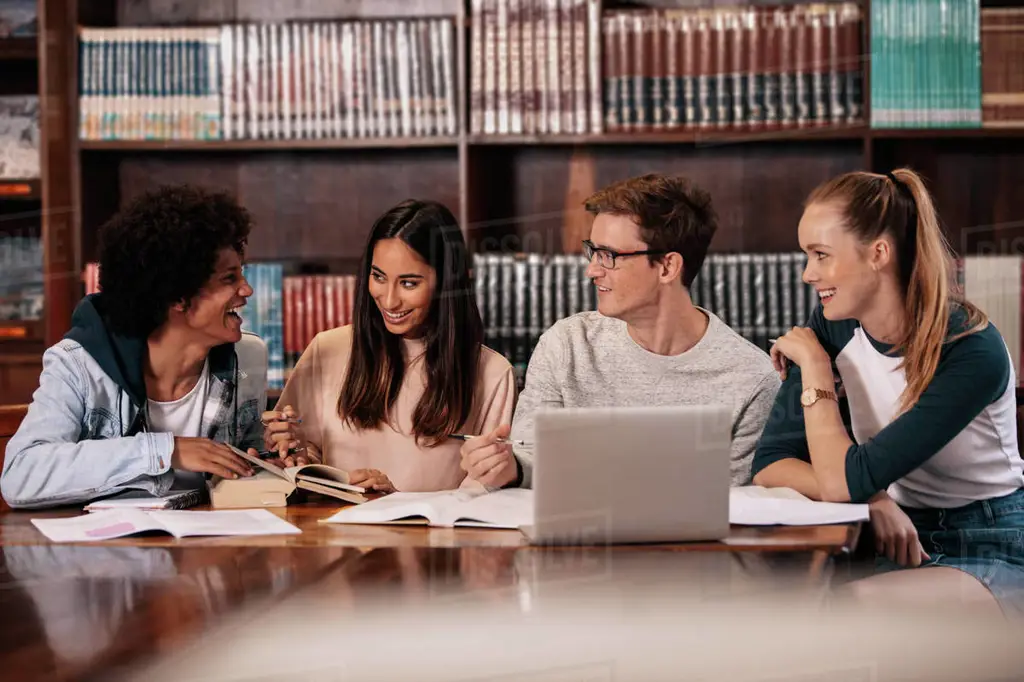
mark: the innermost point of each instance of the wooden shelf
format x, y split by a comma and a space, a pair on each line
265, 145
30, 189
684, 137
21, 330
23, 49
946, 133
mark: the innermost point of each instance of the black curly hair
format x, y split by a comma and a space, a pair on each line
161, 249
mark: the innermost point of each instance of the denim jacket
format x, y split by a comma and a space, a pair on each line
86, 433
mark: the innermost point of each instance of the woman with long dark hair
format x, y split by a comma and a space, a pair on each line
381, 397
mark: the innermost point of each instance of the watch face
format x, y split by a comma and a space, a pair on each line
807, 397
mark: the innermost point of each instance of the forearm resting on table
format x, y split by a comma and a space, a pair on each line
827, 439
790, 473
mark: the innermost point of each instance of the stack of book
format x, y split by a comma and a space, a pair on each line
737, 67
535, 67
925, 64
301, 80
1002, 67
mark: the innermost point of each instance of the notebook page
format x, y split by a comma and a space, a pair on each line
99, 525
757, 506
182, 523
499, 509
396, 506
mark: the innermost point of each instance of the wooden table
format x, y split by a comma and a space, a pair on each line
97, 610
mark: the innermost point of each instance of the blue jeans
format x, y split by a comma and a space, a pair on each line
984, 538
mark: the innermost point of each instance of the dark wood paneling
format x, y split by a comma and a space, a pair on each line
100, 198
178, 12
58, 163
19, 375
976, 185
526, 198
306, 205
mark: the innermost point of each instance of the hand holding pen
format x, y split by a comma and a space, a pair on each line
488, 458
283, 434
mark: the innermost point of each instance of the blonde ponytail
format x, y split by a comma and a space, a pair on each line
900, 205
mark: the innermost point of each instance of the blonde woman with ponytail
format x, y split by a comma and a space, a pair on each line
922, 381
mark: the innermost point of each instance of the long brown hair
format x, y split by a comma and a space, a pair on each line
899, 205
453, 333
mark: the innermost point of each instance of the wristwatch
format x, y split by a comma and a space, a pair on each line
812, 395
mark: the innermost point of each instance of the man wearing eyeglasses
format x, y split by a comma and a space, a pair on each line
646, 344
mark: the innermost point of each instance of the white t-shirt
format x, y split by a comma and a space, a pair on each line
184, 416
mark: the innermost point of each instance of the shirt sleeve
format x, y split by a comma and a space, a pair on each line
749, 426
784, 434
543, 388
973, 374
48, 464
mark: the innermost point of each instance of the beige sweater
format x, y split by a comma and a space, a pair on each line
315, 384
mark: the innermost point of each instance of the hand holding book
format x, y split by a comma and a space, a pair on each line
206, 456
371, 479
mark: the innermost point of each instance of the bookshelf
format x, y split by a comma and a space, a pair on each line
315, 199
21, 341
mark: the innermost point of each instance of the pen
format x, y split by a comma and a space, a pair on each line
503, 441
290, 420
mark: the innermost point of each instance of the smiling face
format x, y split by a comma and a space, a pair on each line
633, 284
212, 313
844, 271
402, 285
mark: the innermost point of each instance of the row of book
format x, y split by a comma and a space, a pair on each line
925, 64
535, 67
760, 295
19, 136
739, 67
302, 80
1002, 67
21, 278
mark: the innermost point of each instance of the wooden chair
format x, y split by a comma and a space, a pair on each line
10, 420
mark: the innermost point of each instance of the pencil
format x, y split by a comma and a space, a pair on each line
503, 441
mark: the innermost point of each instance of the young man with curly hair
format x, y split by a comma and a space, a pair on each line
155, 374
646, 344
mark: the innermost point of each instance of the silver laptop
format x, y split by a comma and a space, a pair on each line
630, 475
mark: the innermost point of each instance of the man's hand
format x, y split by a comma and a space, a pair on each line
207, 456
895, 534
486, 460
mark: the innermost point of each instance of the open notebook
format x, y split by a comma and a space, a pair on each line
499, 509
115, 523
271, 485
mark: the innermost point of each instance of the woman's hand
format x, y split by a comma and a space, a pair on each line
800, 346
283, 434
895, 534
371, 479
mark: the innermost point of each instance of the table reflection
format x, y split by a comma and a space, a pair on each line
68, 608
588, 613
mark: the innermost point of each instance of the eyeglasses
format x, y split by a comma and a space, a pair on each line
606, 257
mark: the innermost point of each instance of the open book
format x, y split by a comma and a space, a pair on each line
499, 509
115, 523
272, 486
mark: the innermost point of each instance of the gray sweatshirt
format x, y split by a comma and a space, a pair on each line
590, 360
